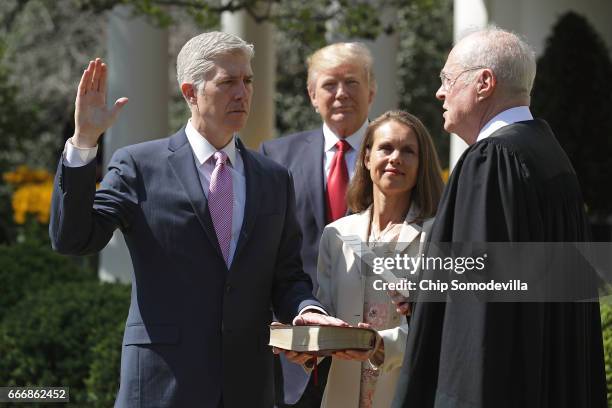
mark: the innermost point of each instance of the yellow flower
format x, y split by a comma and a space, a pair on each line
23, 174
445, 174
32, 199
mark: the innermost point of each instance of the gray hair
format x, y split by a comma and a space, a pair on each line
197, 57
510, 58
337, 54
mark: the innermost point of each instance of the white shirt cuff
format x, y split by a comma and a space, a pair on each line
78, 156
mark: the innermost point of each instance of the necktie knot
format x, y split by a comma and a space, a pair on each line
343, 146
220, 157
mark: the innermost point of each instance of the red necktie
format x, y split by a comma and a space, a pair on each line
337, 183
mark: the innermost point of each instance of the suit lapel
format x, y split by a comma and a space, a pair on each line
409, 231
407, 234
312, 171
252, 176
183, 165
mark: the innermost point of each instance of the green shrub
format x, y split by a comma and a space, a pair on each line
28, 267
103, 380
573, 92
606, 326
51, 337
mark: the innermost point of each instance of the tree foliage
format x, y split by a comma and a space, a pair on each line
573, 92
425, 40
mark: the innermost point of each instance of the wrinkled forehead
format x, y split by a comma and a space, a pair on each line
452, 62
231, 64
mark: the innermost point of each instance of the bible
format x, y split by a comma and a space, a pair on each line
321, 340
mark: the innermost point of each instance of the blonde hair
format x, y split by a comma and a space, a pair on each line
428, 190
338, 54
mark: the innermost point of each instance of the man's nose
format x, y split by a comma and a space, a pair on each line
241, 91
441, 93
341, 91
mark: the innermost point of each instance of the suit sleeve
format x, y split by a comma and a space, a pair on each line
494, 197
395, 346
292, 290
262, 148
83, 219
324, 273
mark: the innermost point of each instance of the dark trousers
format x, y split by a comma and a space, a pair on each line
313, 394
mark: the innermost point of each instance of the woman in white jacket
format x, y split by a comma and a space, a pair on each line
394, 194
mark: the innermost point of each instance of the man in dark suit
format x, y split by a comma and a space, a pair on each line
341, 86
211, 230
513, 184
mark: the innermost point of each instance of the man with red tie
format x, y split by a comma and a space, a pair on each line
341, 86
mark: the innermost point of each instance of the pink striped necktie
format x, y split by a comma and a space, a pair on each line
220, 203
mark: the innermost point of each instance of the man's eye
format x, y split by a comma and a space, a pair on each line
248, 81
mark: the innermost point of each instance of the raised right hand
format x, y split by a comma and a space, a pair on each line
91, 115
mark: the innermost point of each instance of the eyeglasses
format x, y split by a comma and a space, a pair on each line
448, 83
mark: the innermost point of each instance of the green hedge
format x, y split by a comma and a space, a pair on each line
102, 383
67, 334
27, 268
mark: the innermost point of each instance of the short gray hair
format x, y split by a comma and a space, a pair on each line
510, 58
337, 54
197, 57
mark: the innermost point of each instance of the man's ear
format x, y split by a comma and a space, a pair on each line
371, 95
486, 84
313, 97
189, 93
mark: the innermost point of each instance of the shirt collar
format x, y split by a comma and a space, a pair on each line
203, 150
354, 140
505, 118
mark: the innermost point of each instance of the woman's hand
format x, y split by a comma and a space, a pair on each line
401, 302
304, 359
361, 355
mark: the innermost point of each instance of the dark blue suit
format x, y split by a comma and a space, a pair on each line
196, 332
302, 153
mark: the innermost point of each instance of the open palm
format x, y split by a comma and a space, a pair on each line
92, 117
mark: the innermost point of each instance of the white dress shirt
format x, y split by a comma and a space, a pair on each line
505, 118
350, 157
203, 153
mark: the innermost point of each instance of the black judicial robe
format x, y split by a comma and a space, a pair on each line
515, 186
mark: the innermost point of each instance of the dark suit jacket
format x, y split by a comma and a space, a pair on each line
302, 154
196, 332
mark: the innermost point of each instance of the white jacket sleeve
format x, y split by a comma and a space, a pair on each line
324, 272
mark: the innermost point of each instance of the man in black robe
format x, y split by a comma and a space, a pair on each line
513, 184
